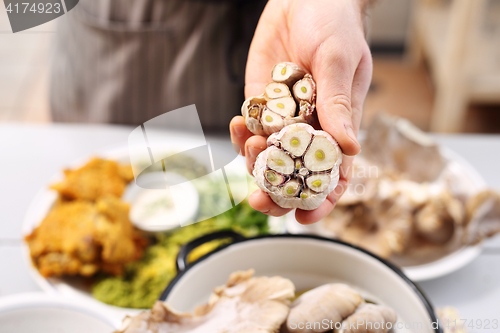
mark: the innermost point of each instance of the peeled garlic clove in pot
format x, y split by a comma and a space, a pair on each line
369, 318
331, 302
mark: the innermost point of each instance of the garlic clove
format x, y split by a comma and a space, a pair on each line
296, 140
291, 188
251, 110
321, 154
298, 164
280, 161
273, 177
318, 182
305, 89
275, 90
287, 73
284, 106
271, 122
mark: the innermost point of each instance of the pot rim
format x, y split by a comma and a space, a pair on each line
236, 240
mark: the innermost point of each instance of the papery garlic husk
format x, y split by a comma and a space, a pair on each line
370, 318
278, 107
252, 110
298, 153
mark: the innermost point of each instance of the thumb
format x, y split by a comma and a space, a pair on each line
334, 75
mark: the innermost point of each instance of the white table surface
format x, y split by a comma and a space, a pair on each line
31, 154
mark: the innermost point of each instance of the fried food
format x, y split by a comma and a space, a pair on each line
144, 280
83, 237
97, 178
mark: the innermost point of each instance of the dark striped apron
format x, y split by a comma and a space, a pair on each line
127, 61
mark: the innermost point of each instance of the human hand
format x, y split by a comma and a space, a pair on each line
326, 38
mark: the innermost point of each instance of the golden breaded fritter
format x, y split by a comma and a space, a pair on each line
95, 179
83, 237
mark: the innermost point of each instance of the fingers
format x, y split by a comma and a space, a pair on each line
313, 216
239, 133
346, 169
334, 70
253, 147
260, 201
250, 145
360, 86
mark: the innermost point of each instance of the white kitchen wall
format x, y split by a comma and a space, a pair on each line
389, 22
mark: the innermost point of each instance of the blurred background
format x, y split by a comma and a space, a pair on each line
436, 62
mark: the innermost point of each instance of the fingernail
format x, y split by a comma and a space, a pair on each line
253, 152
239, 130
350, 134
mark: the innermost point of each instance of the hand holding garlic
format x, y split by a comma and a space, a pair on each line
326, 39
300, 167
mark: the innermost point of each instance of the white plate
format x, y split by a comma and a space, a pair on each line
449, 262
71, 287
43, 202
37, 312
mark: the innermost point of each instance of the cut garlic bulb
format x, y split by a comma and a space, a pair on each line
305, 167
278, 107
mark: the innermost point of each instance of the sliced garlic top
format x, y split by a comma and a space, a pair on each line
299, 168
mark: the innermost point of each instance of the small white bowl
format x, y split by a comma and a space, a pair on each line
153, 209
37, 312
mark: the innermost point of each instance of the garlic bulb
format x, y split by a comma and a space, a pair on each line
299, 168
290, 98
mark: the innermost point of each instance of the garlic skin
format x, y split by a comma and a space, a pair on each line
252, 110
289, 99
307, 162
